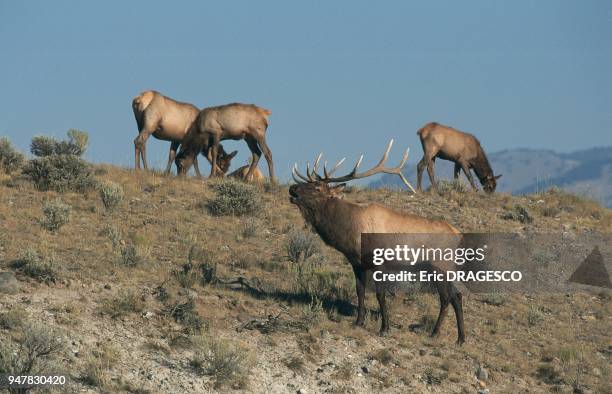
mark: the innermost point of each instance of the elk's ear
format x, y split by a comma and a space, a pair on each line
234, 153
497, 176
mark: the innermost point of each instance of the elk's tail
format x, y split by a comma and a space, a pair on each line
142, 101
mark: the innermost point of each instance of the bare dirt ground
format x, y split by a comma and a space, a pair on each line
160, 295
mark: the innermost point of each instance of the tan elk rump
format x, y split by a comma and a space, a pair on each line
232, 121
463, 149
340, 224
241, 173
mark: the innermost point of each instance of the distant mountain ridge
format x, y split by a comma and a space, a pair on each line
587, 172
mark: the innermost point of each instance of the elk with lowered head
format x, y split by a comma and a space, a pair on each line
341, 223
165, 119
232, 121
461, 148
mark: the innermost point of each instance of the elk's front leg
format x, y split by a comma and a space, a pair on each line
468, 173
384, 312
360, 277
214, 152
420, 169
171, 156
457, 170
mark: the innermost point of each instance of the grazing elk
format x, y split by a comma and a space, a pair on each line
341, 223
167, 120
461, 148
232, 121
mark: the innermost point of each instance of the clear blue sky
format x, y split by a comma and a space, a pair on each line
339, 76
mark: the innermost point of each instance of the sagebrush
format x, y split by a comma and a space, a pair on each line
10, 158
234, 198
60, 173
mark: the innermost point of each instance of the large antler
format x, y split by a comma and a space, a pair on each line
313, 176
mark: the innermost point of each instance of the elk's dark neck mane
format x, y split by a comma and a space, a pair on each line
481, 165
331, 222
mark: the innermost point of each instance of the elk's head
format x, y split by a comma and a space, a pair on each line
185, 158
312, 190
490, 183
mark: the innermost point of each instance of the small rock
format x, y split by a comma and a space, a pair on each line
107, 286
482, 384
483, 391
365, 369
482, 373
302, 391
596, 372
422, 351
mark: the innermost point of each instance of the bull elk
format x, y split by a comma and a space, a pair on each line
340, 224
232, 121
461, 148
168, 120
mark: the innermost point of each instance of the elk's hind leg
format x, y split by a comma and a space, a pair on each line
456, 301
268, 155
444, 301
384, 312
254, 147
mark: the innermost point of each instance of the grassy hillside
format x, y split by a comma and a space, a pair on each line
162, 294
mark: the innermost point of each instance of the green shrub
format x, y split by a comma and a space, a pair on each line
60, 173
127, 301
184, 312
13, 318
129, 256
42, 146
301, 245
32, 265
226, 363
76, 145
10, 158
111, 195
534, 316
518, 213
37, 344
234, 197
57, 213
185, 277
445, 187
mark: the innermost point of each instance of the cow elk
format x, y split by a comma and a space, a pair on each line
341, 223
461, 148
165, 119
232, 121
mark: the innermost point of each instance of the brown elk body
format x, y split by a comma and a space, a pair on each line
232, 121
340, 225
241, 173
463, 149
168, 120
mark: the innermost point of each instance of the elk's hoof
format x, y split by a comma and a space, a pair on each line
460, 341
383, 333
359, 323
